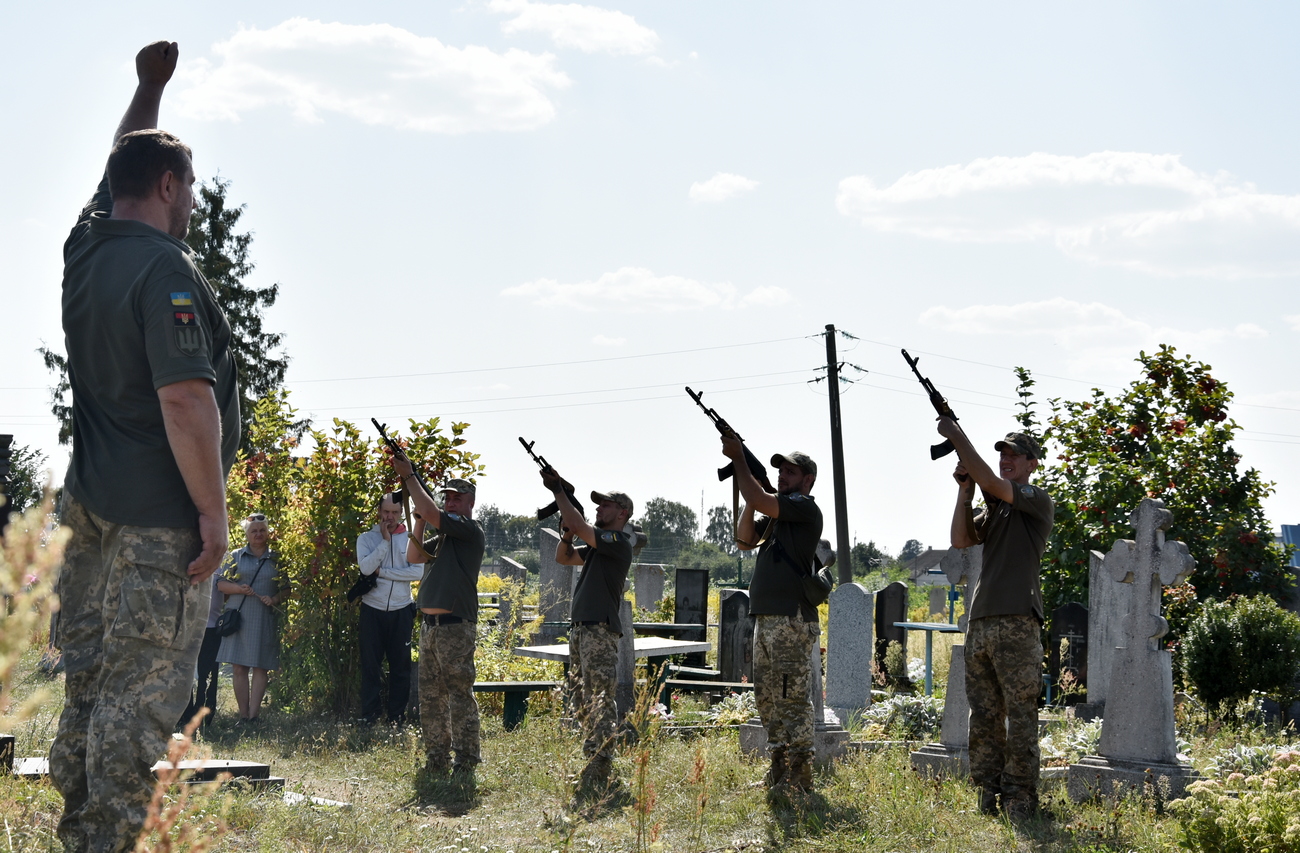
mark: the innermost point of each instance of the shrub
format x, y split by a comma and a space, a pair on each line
1239, 647
1242, 813
905, 717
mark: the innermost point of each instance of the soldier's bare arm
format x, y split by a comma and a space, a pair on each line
193, 424
960, 532
984, 476
154, 66
569, 515
755, 496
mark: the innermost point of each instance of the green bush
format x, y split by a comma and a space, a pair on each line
1244, 814
1236, 648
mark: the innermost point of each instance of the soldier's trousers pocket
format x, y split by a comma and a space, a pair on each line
152, 605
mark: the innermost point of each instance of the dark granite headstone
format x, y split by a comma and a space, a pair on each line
1069, 629
891, 607
692, 607
735, 637
6, 753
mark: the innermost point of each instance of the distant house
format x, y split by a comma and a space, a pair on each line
924, 568
1291, 536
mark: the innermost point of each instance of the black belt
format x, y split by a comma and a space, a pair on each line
589, 624
436, 619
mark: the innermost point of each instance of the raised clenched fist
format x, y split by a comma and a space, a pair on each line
155, 63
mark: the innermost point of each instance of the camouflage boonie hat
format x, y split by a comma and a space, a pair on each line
1020, 443
464, 487
619, 498
797, 458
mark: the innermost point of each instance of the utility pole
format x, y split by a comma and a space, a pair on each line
843, 557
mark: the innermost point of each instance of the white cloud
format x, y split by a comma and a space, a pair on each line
374, 73
1146, 212
721, 187
1293, 320
638, 290
1096, 334
605, 341
589, 29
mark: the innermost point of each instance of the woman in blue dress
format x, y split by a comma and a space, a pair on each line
253, 582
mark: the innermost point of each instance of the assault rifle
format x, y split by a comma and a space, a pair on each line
755, 467
403, 497
551, 508
937, 451
398, 451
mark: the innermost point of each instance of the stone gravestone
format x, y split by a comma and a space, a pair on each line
830, 740
939, 602
555, 593
692, 608
625, 682
891, 607
514, 572
950, 756
1069, 630
648, 584
849, 649
1137, 733
1108, 607
735, 637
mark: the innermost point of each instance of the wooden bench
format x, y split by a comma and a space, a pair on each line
516, 696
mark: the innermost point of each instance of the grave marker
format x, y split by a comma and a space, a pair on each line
735, 637
692, 608
1137, 735
891, 607
849, 649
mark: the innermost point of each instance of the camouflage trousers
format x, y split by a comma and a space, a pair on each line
1004, 662
783, 680
448, 710
593, 655
130, 628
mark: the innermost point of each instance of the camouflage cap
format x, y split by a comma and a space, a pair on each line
619, 498
797, 458
1021, 444
465, 487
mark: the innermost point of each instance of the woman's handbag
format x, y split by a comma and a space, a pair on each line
230, 620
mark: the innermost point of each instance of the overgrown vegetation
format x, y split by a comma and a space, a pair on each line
1234, 649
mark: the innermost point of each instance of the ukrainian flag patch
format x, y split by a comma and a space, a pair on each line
182, 299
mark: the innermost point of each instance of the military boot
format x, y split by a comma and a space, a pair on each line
988, 801
799, 775
776, 771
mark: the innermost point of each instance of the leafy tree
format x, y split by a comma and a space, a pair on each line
318, 505
222, 254
867, 558
719, 531
670, 526
507, 533
706, 555
26, 478
911, 550
1166, 436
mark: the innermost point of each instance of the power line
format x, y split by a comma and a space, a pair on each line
546, 364
562, 393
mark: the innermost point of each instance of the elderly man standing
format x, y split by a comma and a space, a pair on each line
155, 427
387, 613
785, 623
449, 612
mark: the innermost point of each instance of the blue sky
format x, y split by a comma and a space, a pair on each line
451, 195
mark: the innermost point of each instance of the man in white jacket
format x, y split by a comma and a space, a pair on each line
387, 613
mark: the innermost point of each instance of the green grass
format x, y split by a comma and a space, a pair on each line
699, 795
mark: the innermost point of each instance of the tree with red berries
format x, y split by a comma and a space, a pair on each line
1167, 436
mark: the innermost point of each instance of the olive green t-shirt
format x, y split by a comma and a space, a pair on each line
451, 581
1015, 536
137, 315
599, 594
783, 560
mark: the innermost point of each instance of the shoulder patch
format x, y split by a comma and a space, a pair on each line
454, 516
798, 497
188, 339
1027, 491
182, 298
609, 536
184, 318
